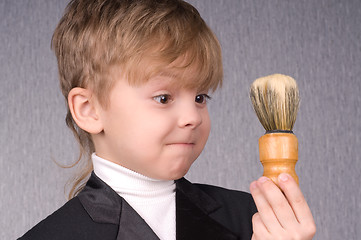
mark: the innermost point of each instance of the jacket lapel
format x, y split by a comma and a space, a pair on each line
192, 215
193, 208
104, 205
132, 226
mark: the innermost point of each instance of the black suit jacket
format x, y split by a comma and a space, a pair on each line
98, 212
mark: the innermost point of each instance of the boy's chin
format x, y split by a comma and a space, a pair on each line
175, 175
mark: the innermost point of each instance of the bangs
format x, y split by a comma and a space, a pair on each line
181, 46
193, 69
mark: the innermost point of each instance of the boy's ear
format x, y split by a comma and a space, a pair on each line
84, 110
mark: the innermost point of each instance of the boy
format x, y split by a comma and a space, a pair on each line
136, 74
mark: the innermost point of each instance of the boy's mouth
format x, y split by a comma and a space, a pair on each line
181, 143
185, 144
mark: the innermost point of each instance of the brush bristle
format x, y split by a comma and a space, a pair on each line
275, 99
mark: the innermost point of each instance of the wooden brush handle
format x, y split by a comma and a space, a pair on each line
278, 153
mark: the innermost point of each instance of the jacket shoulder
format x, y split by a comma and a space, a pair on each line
228, 196
71, 221
236, 211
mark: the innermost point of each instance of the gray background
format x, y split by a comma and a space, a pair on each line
318, 42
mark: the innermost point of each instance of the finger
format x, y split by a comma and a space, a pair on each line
295, 198
259, 229
265, 211
279, 204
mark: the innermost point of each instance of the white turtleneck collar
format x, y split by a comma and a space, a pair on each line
154, 200
126, 180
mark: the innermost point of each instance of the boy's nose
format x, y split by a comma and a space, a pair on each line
189, 116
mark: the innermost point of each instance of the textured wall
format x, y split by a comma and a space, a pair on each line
318, 42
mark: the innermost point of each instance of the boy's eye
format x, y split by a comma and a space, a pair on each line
202, 98
163, 99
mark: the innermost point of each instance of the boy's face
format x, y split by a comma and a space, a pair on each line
156, 129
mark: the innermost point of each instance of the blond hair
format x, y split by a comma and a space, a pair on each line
95, 35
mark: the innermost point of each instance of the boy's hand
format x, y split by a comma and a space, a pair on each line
281, 215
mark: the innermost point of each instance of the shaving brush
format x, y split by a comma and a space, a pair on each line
275, 99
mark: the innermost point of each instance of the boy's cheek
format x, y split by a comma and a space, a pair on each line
207, 129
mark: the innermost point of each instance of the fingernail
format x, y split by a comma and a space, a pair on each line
283, 177
263, 179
